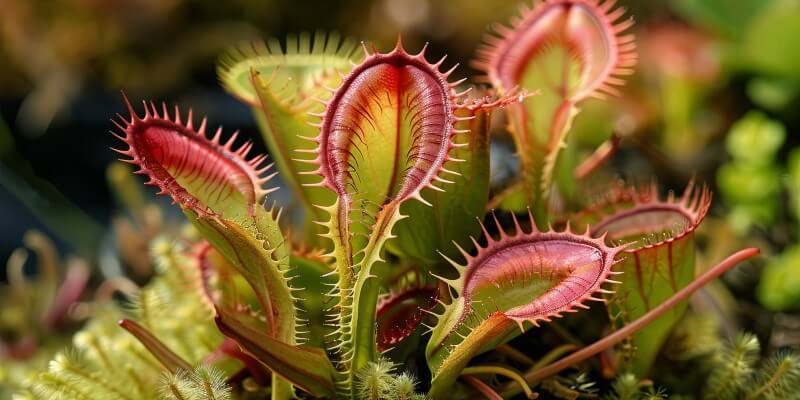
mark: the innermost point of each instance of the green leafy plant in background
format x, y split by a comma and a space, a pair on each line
391, 173
750, 33
747, 37
753, 143
778, 289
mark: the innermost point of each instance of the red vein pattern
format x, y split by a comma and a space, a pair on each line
588, 28
400, 313
677, 217
574, 266
199, 173
400, 100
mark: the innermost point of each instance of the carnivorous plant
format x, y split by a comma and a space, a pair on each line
391, 269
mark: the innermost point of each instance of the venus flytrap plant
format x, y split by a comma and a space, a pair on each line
567, 51
511, 284
221, 193
659, 259
386, 137
466, 193
388, 134
395, 174
282, 88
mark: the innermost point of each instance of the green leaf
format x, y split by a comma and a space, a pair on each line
773, 94
723, 16
258, 252
764, 46
294, 74
779, 288
385, 136
283, 88
452, 214
284, 131
308, 368
171, 361
313, 274
755, 139
741, 183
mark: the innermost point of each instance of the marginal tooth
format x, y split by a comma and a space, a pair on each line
475, 242
155, 110
314, 139
463, 92
255, 161
244, 149
439, 63
131, 111
453, 263
436, 188
146, 110
417, 195
499, 226
485, 231
217, 136
118, 136
229, 144
517, 226
190, 119
118, 125
364, 48
421, 54
451, 172
440, 179
264, 168
502, 30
